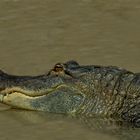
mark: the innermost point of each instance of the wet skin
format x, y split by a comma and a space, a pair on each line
70, 88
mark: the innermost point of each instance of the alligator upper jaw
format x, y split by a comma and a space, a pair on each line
9, 97
14, 94
17, 91
18, 94
27, 92
22, 94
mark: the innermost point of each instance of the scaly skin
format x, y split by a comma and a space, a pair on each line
74, 89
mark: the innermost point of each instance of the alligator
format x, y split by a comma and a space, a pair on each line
71, 88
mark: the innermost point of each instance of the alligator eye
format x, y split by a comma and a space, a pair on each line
58, 67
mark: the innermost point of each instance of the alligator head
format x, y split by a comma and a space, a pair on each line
72, 88
60, 90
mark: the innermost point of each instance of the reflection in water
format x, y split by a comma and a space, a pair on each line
35, 34
118, 129
56, 122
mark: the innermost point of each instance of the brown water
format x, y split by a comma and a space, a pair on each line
36, 34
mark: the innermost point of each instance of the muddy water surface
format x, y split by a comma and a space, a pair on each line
35, 34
